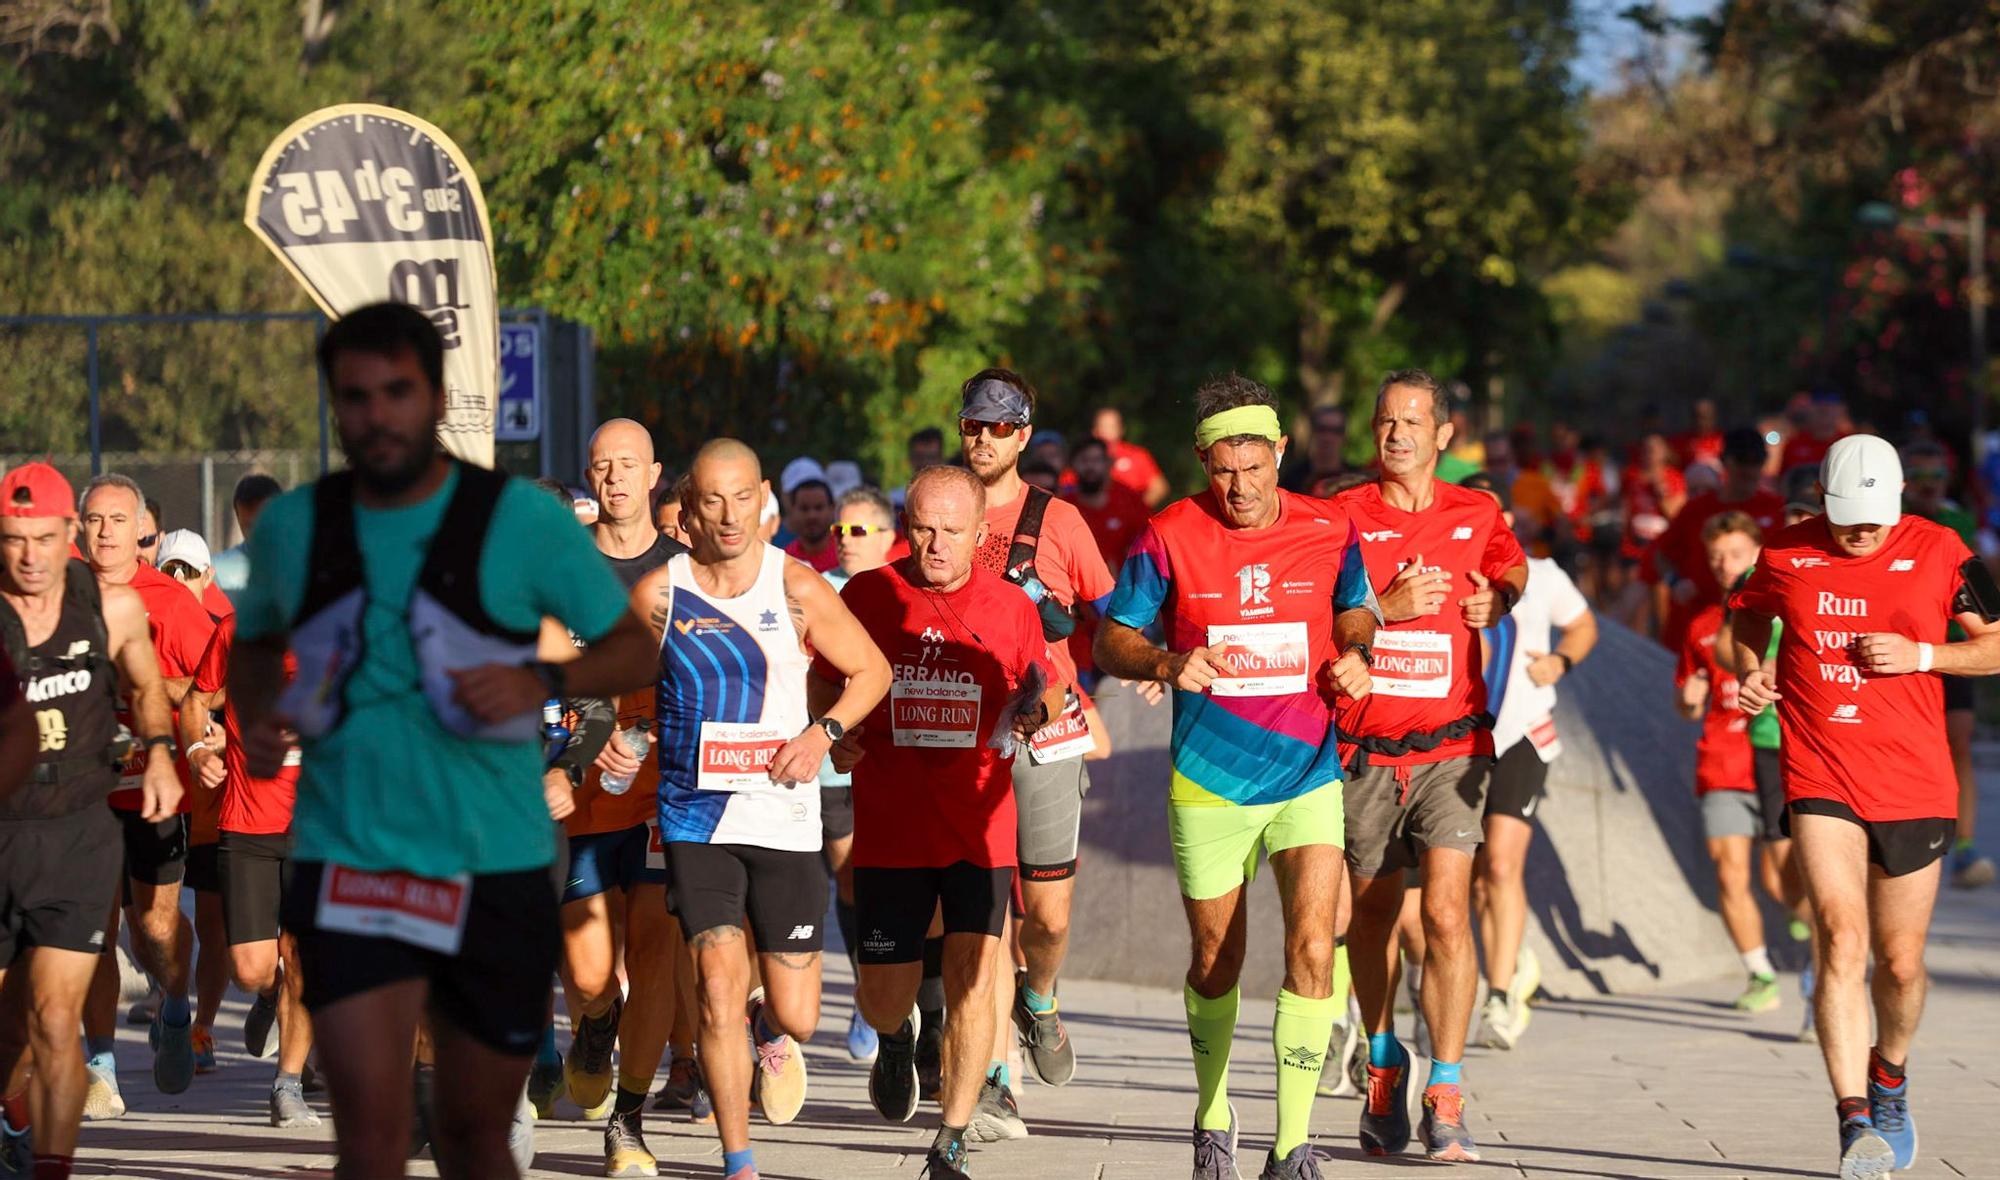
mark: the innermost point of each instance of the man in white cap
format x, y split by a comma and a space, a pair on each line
183, 555
1865, 594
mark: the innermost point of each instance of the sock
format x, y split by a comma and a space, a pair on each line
546, 1054
174, 1010
1882, 1073
53, 1167
288, 1081
104, 1063
1758, 963
1299, 1038
930, 992
628, 1102
1211, 1032
1443, 1073
999, 1072
1963, 844
764, 1033
1036, 1001
1851, 1108
1343, 979
1384, 1050
735, 1161
14, 1109
95, 1047
850, 931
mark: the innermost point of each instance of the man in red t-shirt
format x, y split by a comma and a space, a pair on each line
1865, 595
1678, 571
253, 823
1420, 748
934, 816
1725, 776
1702, 445
1114, 513
1131, 464
155, 853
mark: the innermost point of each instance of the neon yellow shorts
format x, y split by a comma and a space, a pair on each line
1215, 844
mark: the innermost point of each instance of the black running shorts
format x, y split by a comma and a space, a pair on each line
155, 853
783, 894
252, 870
1767, 769
1519, 777
204, 871
893, 907
495, 989
836, 813
58, 878
1898, 847
1958, 694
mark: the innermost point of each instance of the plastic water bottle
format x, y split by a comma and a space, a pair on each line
634, 740
555, 734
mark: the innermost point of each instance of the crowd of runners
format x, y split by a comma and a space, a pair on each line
434, 758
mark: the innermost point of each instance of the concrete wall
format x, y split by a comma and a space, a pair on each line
1621, 896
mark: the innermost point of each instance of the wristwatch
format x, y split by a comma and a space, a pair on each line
552, 677
1366, 653
834, 729
159, 739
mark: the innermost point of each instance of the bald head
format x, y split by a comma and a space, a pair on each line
724, 498
621, 435
943, 482
947, 510
622, 471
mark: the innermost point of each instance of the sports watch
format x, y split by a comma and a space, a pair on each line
834, 729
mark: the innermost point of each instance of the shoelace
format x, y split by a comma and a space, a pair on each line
1211, 1148
1381, 1091
1045, 1033
1448, 1108
772, 1056
1309, 1164
1891, 1114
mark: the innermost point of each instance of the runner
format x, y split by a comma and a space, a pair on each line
1864, 594
1268, 617
1114, 513
232, 565
865, 529
60, 850
1679, 563
421, 871
1131, 464
811, 517
734, 620
156, 851
933, 825
614, 901
1725, 777
1421, 750
1042, 545
253, 849
1522, 671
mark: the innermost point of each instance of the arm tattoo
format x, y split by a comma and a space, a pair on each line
663, 609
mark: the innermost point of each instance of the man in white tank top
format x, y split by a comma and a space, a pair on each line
739, 754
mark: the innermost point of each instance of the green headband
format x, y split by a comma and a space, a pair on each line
1260, 421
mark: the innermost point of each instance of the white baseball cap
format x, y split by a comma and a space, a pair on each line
1863, 479
798, 471
843, 476
184, 545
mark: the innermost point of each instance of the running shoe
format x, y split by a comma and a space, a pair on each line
746, 1172
1760, 996
173, 1054
423, 1080
1338, 1082
1496, 1023
1301, 1164
587, 1067
521, 1135
996, 1117
862, 1043
1864, 1154
944, 1162
1443, 1127
545, 1086
1970, 869
1044, 1039
625, 1152
1385, 1116
142, 1012
1527, 980
257, 1025
1357, 1056
781, 1074
1215, 1152
1889, 1110
102, 1099
685, 1090
1799, 931
17, 1153
1806, 1031
204, 1050
288, 1106
930, 1058
892, 1080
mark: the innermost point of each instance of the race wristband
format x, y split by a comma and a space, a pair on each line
201, 745
1925, 654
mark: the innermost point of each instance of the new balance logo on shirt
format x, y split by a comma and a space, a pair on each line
1902, 565
1461, 534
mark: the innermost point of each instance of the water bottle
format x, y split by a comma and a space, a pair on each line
635, 743
555, 734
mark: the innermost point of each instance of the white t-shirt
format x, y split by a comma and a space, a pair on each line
1550, 601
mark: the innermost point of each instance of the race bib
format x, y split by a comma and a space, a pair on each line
1412, 664
736, 756
425, 912
1258, 659
1548, 744
1068, 736
656, 849
934, 713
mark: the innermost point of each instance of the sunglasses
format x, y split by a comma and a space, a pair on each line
149, 540
970, 428
858, 530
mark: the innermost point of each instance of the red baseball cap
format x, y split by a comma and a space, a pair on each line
36, 489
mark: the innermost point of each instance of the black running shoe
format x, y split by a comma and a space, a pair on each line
892, 1079
930, 1058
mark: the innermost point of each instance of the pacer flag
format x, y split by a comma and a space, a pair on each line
364, 203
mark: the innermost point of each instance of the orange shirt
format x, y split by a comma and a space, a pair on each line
1067, 559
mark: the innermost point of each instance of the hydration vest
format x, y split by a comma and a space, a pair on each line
83, 768
449, 628
1057, 619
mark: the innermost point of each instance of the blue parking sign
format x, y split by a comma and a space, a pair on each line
519, 416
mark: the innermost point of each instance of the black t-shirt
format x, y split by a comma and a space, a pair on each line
631, 569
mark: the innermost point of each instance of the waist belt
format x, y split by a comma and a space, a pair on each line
55, 770
1421, 742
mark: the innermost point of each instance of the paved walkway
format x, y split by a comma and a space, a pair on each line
1672, 1084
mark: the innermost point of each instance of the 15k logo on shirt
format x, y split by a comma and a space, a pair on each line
1253, 585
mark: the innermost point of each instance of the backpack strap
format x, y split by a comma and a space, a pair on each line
14, 635
333, 564
1027, 535
451, 567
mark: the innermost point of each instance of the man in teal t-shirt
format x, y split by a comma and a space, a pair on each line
419, 877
